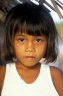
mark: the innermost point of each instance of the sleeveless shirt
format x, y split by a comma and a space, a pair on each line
15, 86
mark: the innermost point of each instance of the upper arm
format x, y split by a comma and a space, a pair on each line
2, 75
57, 77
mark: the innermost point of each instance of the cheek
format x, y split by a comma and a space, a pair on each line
18, 49
41, 51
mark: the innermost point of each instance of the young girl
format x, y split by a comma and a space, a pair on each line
29, 45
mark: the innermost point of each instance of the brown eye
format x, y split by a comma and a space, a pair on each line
38, 40
21, 39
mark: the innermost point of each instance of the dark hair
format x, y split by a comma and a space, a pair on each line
34, 20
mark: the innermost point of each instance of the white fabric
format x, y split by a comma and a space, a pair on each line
15, 86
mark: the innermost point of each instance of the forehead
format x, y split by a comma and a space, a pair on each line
19, 34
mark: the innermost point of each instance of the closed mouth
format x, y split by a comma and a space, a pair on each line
29, 57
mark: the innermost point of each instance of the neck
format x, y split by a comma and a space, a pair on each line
28, 74
23, 67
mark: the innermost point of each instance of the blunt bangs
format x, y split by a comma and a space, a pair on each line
30, 29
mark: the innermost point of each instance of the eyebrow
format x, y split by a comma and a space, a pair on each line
30, 35
24, 35
20, 35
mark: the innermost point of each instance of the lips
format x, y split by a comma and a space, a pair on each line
29, 57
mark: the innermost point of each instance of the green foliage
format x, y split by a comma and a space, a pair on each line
59, 27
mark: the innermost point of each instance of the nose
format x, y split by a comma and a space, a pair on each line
30, 47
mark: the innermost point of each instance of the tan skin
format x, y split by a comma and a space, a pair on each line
26, 50
27, 62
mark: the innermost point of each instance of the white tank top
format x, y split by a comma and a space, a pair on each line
15, 86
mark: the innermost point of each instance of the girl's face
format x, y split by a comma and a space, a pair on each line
29, 49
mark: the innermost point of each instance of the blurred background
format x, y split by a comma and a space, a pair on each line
55, 7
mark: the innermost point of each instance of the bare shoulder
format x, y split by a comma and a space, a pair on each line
57, 77
2, 68
2, 74
2, 71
